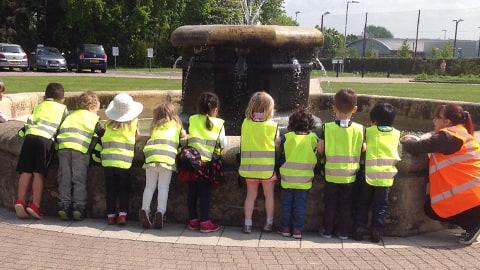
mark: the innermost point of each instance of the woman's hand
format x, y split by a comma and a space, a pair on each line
409, 138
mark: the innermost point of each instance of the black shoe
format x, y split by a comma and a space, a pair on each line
470, 236
376, 236
358, 235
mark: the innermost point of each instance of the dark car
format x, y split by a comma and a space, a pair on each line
48, 59
12, 56
88, 56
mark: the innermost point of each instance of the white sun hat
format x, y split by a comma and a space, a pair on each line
123, 108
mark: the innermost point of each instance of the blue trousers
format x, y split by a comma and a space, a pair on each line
294, 208
374, 198
337, 200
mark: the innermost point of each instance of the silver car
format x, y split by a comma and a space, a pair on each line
12, 56
47, 59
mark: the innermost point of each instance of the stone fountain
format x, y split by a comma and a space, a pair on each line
234, 61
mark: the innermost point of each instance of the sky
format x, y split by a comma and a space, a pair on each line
400, 17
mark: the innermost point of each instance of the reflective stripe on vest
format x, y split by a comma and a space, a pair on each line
118, 146
257, 144
202, 139
45, 119
455, 178
300, 160
381, 155
162, 146
343, 147
77, 130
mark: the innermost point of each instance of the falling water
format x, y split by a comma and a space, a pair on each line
240, 86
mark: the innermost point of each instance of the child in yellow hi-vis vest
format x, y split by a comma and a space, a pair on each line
118, 144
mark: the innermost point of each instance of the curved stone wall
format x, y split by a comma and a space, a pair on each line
405, 216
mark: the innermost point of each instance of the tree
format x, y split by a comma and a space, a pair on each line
332, 43
370, 53
378, 32
404, 51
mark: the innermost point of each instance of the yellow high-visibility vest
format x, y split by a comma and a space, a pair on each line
77, 130
162, 146
119, 146
202, 139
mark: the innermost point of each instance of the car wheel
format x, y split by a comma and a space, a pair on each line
25, 69
78, 69
92, 70
104, 70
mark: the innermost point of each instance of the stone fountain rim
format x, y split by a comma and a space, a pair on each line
251, 35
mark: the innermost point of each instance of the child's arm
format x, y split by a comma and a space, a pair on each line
321, 147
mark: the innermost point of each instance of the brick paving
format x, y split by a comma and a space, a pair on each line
52, 244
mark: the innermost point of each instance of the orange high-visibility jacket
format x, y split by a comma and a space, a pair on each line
455, 178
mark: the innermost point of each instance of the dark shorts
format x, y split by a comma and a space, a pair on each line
35, 155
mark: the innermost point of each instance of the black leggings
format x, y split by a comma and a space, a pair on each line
198, 191
468, 219
117, 185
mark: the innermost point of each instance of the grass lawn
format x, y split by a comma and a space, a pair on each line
19, 84
437, 91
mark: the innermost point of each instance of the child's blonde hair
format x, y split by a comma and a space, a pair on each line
112, 124
260, 102
87, 99
163, 114
2, 87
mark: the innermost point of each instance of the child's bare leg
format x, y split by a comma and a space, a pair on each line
23, 184
252, 191
268, 192
37, 188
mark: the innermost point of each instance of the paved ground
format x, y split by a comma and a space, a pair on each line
91, 244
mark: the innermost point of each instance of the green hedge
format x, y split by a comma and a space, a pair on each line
408, 66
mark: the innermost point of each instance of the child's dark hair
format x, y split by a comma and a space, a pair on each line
345, 100
301, 120
382, 114
207, 102
55, 91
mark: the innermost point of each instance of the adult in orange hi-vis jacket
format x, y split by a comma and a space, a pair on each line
454, 169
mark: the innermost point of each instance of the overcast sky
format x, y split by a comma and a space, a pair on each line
398, 16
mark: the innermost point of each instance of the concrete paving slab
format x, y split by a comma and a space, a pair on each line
170, 233
314, 240
276, 240
234, 236
6, 214
87, 227
50, 224
129, 232
437, 239
399, 242
351, 243
198, 238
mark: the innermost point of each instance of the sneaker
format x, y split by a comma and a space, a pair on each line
247, 228
20, 209
33, 210
78, 214
327, 234
194, 224
144, 219
111, 219
297, 234
158, 220
358, 234
470, 236
376, 236
208, 226
63, 214
268, 227
343, 236
121, 220
286, 232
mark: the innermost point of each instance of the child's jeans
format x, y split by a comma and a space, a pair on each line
337, 200
294, 208
377, 197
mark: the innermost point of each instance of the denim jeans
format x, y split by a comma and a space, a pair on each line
294, 208
337, 201
375, 198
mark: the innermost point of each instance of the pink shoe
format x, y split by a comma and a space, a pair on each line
194, 224
208, 226
33, 210
21, 209
122, 220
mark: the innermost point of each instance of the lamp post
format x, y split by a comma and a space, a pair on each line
455, 39
444, 34
478, 52
346, 21
324, 14
296, 15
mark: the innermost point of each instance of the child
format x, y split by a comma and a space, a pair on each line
342, 144
205, 133
117, 154
74, 141
299, 151
380, 159
166, 131
38, 148
3, 117
257, 161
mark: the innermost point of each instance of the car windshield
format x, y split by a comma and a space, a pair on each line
48, 51
11, 49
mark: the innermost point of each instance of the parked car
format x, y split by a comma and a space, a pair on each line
48, 59
12, 56
88, 56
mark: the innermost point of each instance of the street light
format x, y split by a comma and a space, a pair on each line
455, 39
296, 15
444, 34
346, 21
478, 53
324, 14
